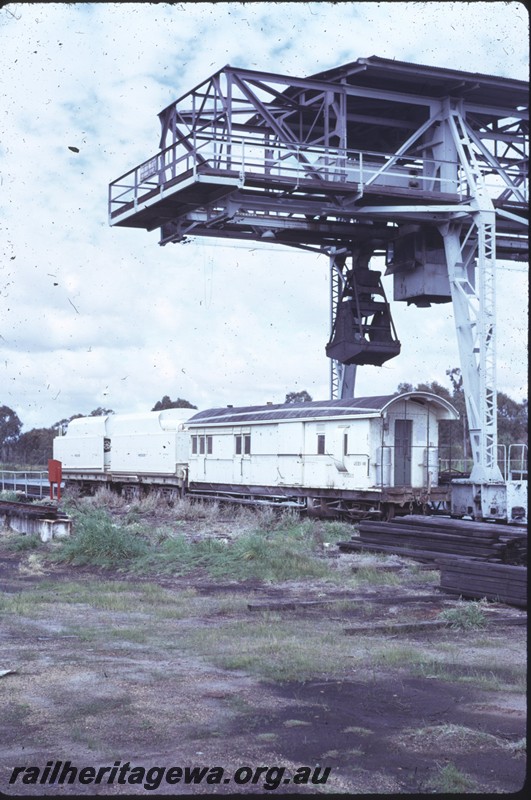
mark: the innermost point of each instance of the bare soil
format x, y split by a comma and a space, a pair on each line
81, 693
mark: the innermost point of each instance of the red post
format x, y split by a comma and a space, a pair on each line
55, 475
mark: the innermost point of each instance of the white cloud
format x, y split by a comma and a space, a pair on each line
91, 315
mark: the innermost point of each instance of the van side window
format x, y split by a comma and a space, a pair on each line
345, 444
320, 444
243, 444
202, 445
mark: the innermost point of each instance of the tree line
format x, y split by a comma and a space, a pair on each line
33, 448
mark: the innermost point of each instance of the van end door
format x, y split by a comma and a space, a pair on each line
403, 454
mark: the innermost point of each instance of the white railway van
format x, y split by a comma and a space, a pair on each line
356, 455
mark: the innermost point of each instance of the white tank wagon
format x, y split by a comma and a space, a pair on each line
126, 451
355, 457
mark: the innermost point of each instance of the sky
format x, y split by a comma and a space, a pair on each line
93, 316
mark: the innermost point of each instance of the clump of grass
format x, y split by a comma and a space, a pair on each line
465, 617
450, 780
98, 541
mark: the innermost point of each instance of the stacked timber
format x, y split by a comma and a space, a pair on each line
473, 578
425, 538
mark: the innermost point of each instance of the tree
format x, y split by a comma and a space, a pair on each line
166, 402
10, 427
512, 420
101, 412
298, 397
455, 437
34, 447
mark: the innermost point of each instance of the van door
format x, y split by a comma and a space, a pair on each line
403, 454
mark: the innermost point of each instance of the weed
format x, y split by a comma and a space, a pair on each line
465, 617
450, 780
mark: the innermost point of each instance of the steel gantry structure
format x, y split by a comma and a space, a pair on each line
423, 165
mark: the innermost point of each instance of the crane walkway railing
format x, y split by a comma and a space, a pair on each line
301, 165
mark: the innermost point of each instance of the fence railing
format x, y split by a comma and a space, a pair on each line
512, 462
31, 483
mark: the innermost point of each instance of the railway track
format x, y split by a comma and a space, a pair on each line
475, 559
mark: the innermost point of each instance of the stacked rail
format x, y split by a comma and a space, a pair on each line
473, 578
476, 559
426, 537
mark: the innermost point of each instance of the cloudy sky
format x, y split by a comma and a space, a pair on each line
92, 316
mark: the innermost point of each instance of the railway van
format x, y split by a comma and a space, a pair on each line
353, 457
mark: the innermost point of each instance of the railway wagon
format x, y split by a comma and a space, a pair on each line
126, 451
353, 457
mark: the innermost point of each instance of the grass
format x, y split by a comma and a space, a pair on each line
274, 649
458, 738
252, 544
20, 544
491, 677
450, 780
465, 617
98, 541
286, 549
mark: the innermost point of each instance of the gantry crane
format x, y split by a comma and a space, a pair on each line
423, 165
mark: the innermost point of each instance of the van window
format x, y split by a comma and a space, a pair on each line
243, 444
320, 444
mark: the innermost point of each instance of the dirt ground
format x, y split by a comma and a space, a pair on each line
101, 687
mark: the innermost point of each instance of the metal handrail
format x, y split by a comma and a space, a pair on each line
22, 481
245, 154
